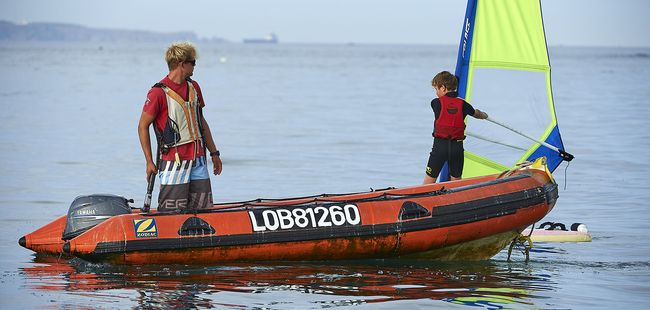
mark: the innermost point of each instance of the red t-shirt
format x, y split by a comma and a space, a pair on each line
156, 105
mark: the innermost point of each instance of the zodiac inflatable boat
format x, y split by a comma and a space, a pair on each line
502, 43
470, 219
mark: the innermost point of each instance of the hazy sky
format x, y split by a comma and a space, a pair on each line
567, 22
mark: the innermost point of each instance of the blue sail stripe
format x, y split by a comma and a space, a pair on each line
462, 63
465, 48
553, 159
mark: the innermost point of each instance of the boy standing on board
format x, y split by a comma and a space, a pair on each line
449, 128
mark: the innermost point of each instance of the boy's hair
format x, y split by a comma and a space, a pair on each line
445, 79
179, 52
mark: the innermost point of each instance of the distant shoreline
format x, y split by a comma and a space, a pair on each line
61, 32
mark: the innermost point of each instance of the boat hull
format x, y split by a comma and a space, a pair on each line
470, 219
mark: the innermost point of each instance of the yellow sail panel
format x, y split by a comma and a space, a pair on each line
475, 166
509, 34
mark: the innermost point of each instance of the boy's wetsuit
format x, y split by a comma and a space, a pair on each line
448, 135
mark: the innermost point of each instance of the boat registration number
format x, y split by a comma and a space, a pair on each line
304, 217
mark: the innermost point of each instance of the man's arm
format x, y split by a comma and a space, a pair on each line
216, 160
145, 141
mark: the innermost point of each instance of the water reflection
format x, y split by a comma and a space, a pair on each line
292, 285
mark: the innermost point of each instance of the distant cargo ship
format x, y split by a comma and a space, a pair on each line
271, 38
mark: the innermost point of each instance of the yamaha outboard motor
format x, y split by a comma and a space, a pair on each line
87, 211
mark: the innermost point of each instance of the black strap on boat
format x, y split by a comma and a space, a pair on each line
323, 198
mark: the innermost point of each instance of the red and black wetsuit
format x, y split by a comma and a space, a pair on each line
449, 132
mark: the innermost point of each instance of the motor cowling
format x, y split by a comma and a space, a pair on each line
87, 211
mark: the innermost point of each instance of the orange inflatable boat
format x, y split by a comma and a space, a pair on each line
471, 219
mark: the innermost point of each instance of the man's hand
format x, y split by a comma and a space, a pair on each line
216, 164
151, 169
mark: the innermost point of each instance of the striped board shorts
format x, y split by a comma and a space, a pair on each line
185, 187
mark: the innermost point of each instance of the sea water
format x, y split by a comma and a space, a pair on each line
296, 120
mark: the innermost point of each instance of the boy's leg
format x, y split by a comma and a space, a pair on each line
437, 158
456, 160
428, 179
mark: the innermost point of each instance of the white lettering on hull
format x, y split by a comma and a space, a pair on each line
304, 217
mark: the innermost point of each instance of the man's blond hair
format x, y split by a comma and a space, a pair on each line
179, 52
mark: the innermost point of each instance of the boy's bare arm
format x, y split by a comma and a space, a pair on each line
480, 114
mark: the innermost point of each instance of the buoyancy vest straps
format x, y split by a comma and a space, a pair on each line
191, 97
183, 117
192, 125
183, 104
199, 109
194, 121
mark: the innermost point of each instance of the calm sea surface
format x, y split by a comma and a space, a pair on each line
308, 119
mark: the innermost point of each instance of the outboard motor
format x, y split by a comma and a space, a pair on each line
87, 211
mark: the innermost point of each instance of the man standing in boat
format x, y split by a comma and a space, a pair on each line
174, 107
449, 128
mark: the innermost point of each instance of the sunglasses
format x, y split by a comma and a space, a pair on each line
192, 62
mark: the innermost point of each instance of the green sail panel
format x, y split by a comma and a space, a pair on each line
509, 34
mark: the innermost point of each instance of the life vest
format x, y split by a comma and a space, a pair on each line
183, 118
451, 121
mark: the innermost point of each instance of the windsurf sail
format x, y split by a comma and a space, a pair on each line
503, 69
